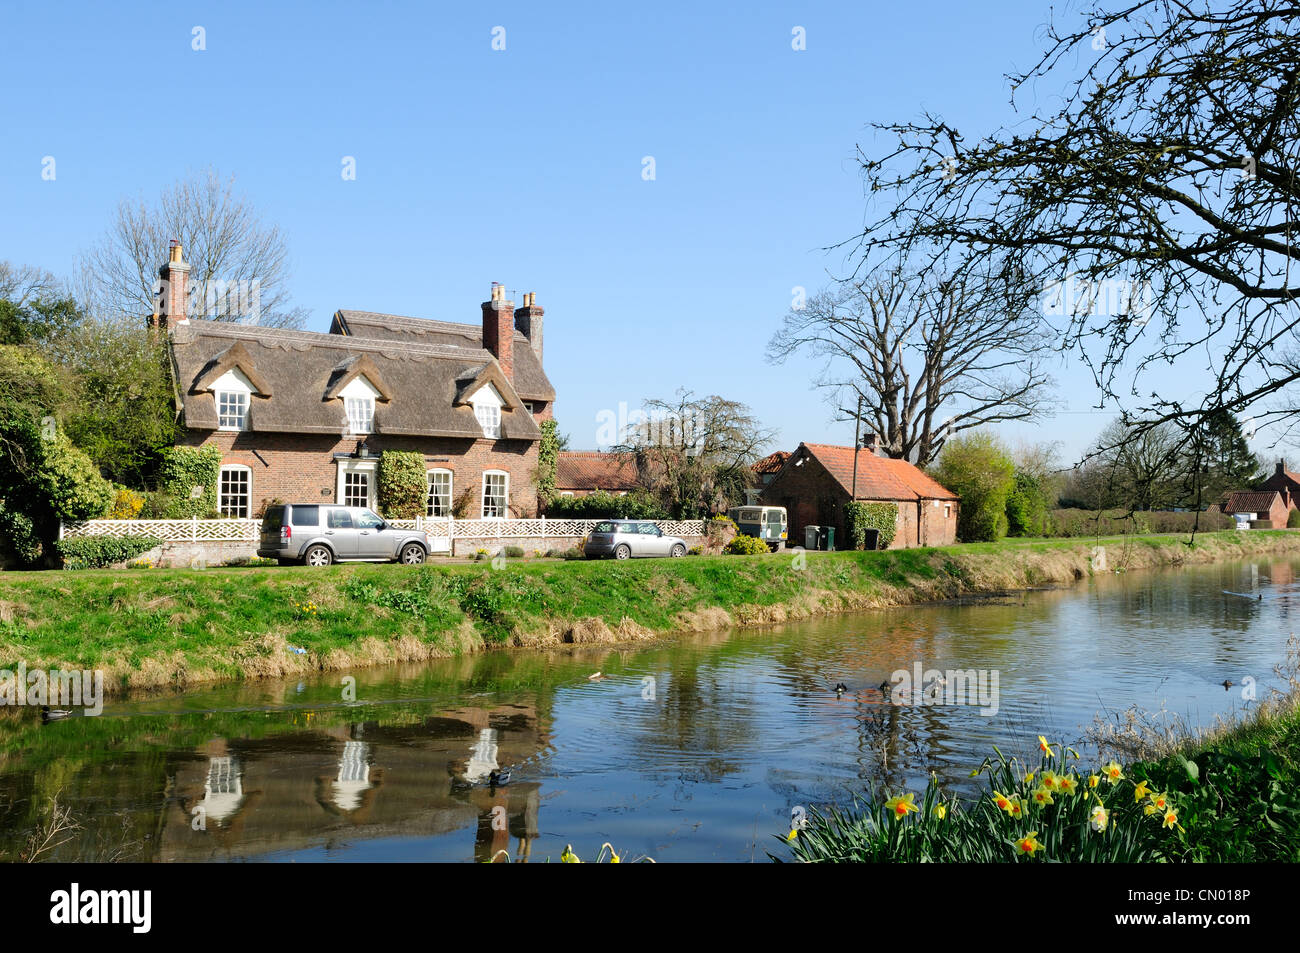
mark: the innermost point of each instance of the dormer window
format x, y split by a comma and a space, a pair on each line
487, 410
231, 391
359, 404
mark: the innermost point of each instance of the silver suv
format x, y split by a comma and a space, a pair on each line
320, 533
624, 539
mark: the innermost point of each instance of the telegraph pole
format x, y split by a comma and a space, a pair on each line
857, 427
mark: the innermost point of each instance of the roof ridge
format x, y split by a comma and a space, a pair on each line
324, 338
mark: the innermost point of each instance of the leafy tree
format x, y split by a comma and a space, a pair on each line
978, 469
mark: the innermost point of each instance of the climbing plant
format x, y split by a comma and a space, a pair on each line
403, 484
860, 517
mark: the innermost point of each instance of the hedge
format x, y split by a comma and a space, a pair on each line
1078, 522
184, 468
743, 545
403, 485
603, 505
860, 517
99, 552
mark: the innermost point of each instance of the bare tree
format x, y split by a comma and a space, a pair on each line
22, 284
926, 359
693, 453
225, 242
1168, 166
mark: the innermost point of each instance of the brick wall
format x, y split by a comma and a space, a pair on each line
302, 468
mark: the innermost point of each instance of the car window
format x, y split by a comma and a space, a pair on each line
273, 519
305, 515
649, 529
340, 519
368, 520
604, 527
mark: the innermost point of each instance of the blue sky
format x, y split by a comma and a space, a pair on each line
522, 166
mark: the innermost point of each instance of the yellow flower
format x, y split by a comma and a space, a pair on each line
902, 805
1002, 801
1093, 780
1171, 818
1067, 784
1017, 807
1149, 809
1099, 818
1044, 746
613, 854
569, 857
1161, 801
1029, 844
1049, 780
1113, 772
1043, 796
940, 811
1029, 778
794, 833
1141, 792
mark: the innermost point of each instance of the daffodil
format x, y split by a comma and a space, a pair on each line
1002, 801
613, 854
1029, 778
1099, 818
1029, 844
1171, 818
1067, 784
794, 833
940, 811
1113, 772
1044, 747
1042, 797
1049, 780
1161, 801
902, 805
1149, 810
1017, 807
1093, 780
569, 857
1141, 792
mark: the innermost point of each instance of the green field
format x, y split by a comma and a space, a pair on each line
172, 627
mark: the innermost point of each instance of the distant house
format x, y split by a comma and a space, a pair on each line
578, 473
304, 416
816, 480
1286, 483
765, 471
1256, 505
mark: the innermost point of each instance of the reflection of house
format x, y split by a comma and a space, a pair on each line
223, 791
817, 480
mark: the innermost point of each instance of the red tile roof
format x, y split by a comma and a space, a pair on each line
772, 462
879, 478
1250, 501
580, 470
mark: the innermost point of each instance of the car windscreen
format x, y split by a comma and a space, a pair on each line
273, 519
605, 527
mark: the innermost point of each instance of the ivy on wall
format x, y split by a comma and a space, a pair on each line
860, 517
403, 485
183, 469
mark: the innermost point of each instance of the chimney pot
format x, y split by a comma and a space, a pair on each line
499, 330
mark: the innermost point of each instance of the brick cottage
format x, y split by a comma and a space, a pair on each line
303, 416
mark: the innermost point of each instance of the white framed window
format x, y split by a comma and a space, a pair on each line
487, 409
947, 511
356, 483
566, 493
235, 491
359, 405
439, 501
496, 494
231, 391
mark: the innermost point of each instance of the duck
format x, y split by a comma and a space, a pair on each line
54, 714
1227, 684
595, 677
840, 688
885, 687
496, 777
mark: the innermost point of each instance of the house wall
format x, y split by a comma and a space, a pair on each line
301, 467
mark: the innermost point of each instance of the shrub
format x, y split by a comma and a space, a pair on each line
1027, 505
127, 505
860, 517
695, 551
636, 505
182, 469
515, 552
403, 484
18, 535
98, 552
977, 468
1293, 520
743, 545
71, 482
1080, 522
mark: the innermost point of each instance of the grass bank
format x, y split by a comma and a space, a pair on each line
149, 628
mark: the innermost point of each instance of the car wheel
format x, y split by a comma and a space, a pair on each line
678, 551
318, 556
412, 554
622, 552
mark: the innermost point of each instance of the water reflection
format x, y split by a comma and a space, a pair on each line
740, 727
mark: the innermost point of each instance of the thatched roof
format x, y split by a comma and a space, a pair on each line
423, 385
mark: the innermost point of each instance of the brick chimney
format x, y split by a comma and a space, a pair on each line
528, 320
871, 444
169, 300
1281, 467
499, 329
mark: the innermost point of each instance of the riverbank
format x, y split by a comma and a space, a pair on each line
174, 628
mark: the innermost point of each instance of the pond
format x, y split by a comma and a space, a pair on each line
689, 749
